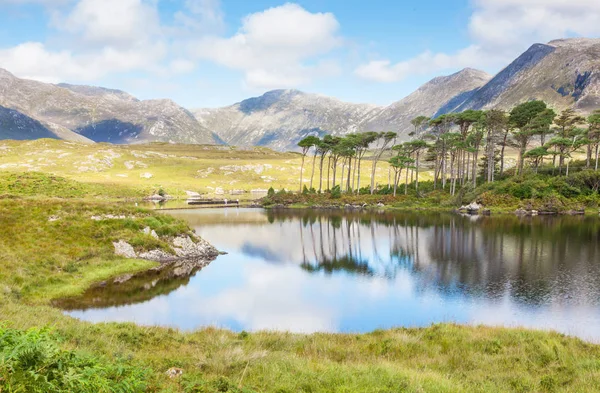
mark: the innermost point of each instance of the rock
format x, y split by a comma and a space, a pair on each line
533, 213
521, 212
219, 191
155, 197
124, 249
146, 175
185, 247
192, 194
53, 218
123, 279
150, 232
474, 207
157, 256
174, 372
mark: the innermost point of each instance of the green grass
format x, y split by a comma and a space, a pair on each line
174, 168
42, 259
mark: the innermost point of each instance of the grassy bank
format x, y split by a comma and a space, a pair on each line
51, 247
548, 194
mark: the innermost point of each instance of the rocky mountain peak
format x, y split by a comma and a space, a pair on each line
5, 74
93, 91
574, 42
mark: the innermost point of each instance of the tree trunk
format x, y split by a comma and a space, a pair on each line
417, 173
475, 157
406, 183
521, 155
312, 175
301, 172
328, 171
349, 173
358, 179
502, 153
321, 173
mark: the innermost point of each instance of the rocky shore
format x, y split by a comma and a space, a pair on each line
190, 254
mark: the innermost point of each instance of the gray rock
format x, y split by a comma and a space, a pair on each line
185, 247
124, 249
150, 232
157, 256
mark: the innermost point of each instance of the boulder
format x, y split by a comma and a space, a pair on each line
150, 232
192, 194
185, 247
124, 249
474, 207
155, 197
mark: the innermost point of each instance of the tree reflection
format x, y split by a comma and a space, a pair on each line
533, 260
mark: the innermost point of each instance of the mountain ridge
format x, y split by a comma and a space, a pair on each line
89, 113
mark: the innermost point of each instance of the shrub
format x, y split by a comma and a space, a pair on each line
271, 192
336, 192
32, 361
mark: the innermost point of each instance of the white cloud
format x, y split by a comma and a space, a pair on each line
499, 30
276, 47
42, 2
116, 23
34, 61
181, 66
100, 37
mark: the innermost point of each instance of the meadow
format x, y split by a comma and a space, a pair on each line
51, 248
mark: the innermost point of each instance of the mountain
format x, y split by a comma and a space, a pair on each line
280, 118
31, 109
441, 94
564, 73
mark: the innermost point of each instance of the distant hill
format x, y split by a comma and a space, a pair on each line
31, 110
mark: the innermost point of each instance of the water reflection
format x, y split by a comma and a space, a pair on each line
312, 271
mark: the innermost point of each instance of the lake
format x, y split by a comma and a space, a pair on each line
309, 271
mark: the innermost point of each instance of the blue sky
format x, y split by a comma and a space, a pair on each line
207, 53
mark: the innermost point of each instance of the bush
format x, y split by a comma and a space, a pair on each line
271, 192
587, 181
336, 192
32, 361
305, 190
561, 186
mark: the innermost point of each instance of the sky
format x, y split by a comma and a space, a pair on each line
211, 53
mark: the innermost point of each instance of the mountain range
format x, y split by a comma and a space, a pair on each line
31, 110
564, 73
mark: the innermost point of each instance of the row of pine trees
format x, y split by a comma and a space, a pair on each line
462, 148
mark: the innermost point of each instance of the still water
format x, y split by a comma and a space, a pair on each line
355, 272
